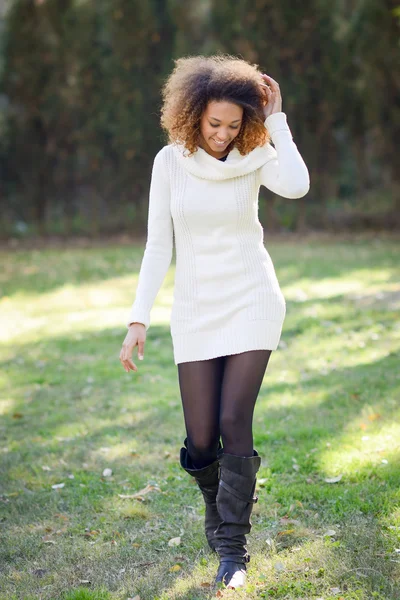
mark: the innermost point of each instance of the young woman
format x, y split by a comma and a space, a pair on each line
221, 114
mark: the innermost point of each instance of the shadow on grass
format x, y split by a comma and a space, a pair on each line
53, 399
116, 411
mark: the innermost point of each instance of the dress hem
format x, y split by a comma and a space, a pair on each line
204, 345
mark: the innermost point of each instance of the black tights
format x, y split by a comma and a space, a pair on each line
218, 398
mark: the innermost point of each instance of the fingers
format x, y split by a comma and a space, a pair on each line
141, 350
270, 80
273, 85
272, 91
266, 90
130, 365
132, 340
126, 361
270, 85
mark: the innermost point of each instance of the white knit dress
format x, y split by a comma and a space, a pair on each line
227, 297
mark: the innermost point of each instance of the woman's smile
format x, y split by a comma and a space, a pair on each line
219, 143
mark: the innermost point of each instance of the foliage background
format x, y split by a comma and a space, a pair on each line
80, 105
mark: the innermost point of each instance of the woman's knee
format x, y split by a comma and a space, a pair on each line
234, 427
202, 446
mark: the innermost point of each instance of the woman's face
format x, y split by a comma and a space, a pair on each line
219, 125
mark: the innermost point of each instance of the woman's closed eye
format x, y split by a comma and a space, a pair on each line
232, 127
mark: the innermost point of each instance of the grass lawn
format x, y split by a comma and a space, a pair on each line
327, 524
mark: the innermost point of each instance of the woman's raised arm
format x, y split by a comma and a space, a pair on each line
285, 173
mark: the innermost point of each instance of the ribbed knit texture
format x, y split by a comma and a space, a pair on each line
227, 298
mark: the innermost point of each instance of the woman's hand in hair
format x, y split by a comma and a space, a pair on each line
272, 93
136, 336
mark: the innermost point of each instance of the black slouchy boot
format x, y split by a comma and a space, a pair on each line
235, 501
207, 479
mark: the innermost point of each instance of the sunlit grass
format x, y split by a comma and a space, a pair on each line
328, 407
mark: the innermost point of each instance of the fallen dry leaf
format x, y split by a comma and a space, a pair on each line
333, 479
91, 533
269, 542
140, 495
374, 417
287, 520
39, 572
174, 541
175, 568
205, 584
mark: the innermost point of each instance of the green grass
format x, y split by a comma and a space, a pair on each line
328, 407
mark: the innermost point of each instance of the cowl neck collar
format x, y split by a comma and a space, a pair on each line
203, 165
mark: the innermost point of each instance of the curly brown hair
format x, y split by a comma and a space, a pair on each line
197, 80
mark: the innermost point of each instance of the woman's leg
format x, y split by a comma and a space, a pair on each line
243, 376
239, 462
200, 387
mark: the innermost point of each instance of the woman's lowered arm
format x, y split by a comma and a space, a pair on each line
158, 251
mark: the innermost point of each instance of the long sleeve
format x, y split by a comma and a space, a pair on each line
286, 173
158, 251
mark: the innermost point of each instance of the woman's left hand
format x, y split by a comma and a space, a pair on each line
272, 93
